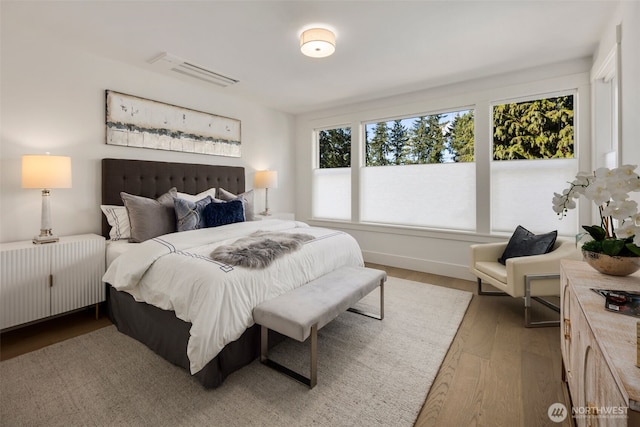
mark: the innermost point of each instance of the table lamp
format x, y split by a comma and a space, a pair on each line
46, 172
266, 179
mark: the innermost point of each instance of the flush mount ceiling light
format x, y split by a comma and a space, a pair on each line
317, 42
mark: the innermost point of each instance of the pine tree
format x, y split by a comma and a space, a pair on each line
379, 146
335, 148
540, 129
436, 139
397, 141
461, 138
418, 151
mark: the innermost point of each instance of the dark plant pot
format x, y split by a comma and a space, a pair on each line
612, 265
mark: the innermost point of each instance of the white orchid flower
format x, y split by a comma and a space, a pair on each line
627, 170
626, 230
621, 210
604, 173
609, 189
598, 192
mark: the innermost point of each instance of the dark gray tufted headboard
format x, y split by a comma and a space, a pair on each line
152, 179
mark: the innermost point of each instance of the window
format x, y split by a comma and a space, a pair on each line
533, 157
419, 171
332, 176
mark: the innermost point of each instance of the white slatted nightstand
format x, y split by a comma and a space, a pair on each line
40, 281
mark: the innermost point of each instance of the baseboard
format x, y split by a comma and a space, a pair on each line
417, 264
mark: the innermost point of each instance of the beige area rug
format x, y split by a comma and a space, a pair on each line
370, 372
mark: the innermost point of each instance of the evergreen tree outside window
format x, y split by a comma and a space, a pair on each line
437, 138
335, 148
537, 129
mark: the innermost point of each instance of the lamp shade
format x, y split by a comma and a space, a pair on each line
46, 171
318, 42
266, 179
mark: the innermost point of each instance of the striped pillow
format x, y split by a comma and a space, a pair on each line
118, 219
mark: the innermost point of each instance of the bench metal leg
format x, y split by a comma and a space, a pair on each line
373, 315
313, 342
313, 378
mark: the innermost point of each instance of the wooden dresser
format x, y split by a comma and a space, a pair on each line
599, 352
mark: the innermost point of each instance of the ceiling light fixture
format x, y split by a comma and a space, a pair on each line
317, 42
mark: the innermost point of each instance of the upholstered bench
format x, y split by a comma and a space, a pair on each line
300, 313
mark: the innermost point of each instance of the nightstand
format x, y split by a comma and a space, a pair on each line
40, 281
277, 215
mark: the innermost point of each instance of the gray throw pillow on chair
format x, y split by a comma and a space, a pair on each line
525, 243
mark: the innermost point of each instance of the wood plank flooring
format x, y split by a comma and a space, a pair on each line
496, 373
38, 335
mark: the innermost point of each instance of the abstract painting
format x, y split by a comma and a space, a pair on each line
138, 122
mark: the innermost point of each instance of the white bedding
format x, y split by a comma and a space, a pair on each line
174, 272
115, 248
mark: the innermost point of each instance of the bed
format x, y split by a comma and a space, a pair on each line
161, 329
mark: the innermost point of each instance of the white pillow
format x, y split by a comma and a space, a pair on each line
118, 219
194, 198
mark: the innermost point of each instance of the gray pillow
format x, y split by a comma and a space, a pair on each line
525, 243
150, 218
189, 214
246, 197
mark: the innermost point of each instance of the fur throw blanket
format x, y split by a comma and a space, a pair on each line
259, 249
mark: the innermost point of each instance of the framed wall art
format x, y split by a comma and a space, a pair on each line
138, 122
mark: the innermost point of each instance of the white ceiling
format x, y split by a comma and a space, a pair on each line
383, 47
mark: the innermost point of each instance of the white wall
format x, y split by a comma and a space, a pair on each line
434, 251
628, 15
53, 100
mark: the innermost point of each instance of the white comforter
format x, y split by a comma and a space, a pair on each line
174, 272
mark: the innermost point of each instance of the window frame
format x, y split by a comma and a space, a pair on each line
477, 95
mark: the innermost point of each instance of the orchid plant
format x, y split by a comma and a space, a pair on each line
609, 189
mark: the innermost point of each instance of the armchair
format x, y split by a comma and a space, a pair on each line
517, 277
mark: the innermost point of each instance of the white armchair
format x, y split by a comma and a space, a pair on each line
517, 277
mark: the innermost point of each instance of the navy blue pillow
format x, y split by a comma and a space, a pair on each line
525, 243
216, 214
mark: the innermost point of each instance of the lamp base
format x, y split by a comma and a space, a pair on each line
266, 212
46, 236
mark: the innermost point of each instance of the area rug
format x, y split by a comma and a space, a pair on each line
370, 372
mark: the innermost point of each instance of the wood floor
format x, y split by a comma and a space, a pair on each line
39, 335
496, 373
